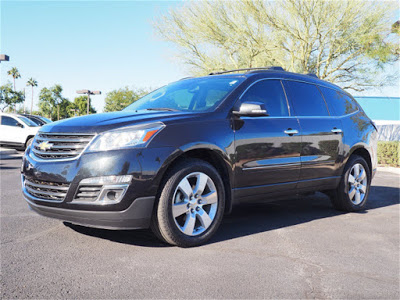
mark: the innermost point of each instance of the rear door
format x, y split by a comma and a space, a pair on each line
267, 148
322, 137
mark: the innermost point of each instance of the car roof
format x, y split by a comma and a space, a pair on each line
28, 115
278, 73
8, 114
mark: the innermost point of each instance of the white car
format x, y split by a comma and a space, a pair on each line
16, 131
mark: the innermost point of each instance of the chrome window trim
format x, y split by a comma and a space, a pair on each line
287, 100
304, 117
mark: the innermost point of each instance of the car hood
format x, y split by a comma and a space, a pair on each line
97, 123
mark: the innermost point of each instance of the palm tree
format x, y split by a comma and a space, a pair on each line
32, 82
15, 74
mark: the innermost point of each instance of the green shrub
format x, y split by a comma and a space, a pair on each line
389, 153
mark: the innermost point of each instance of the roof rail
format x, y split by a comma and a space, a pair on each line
312, 75
276, 68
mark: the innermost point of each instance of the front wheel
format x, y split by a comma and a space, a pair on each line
191, 204
352, 192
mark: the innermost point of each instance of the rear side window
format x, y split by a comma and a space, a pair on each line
340, 103
306, 99
269, 92
8, 121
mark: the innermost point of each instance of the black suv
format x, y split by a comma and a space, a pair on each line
182, 156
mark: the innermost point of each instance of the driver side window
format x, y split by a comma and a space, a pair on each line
8, 121
269, 92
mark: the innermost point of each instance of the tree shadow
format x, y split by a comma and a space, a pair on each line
249, 219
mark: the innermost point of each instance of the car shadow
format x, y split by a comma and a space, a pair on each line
8, 167
9, 157
249, 219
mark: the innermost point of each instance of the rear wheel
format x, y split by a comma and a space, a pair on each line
352, 192
191, 204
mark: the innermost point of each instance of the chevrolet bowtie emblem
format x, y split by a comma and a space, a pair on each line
45, 146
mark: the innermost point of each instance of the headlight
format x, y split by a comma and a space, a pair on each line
125, 137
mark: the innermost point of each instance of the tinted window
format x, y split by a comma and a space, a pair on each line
197, 94
306, 99
269, 92
8, 121
27, 121
340, 103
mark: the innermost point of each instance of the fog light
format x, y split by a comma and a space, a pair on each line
111, 194
110, 189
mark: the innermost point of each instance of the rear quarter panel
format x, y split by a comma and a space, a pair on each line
359, 132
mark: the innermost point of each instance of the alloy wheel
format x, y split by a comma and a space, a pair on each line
195, 204
358, 182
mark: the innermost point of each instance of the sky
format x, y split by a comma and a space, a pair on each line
95, 45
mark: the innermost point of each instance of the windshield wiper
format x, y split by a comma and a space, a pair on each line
162, 109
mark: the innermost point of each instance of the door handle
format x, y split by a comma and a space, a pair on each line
336, 130
290, 131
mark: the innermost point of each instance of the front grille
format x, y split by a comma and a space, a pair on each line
88, 193
60, 145
45, 190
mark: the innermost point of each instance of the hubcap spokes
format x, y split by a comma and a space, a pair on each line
358, 182
194, 204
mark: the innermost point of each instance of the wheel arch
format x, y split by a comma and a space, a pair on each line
28, 137
360, 150
209, 153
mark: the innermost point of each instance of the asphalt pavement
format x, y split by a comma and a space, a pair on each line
297, 248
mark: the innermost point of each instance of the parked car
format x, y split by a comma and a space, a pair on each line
16, 131
181, 157
39, 120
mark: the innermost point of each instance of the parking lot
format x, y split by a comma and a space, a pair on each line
299, 248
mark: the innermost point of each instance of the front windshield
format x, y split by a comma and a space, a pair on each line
197, 94
47, 121
28, 122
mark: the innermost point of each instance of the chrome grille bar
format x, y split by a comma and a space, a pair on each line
87, 193
53, 146
47, 191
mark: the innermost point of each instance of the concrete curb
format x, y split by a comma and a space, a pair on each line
389, 169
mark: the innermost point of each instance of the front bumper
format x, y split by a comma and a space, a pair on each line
136, 216
132, 212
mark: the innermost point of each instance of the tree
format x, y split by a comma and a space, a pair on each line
9, 97
14, 74
31, 82
52, 103
117, 100
79, 107
396, 27
345, 42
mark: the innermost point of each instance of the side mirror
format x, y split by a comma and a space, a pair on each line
20, 125
251, 109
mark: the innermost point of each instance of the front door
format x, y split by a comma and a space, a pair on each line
267, 148
11, 131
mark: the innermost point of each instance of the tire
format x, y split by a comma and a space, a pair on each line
183, 217
28, 142
352, 192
